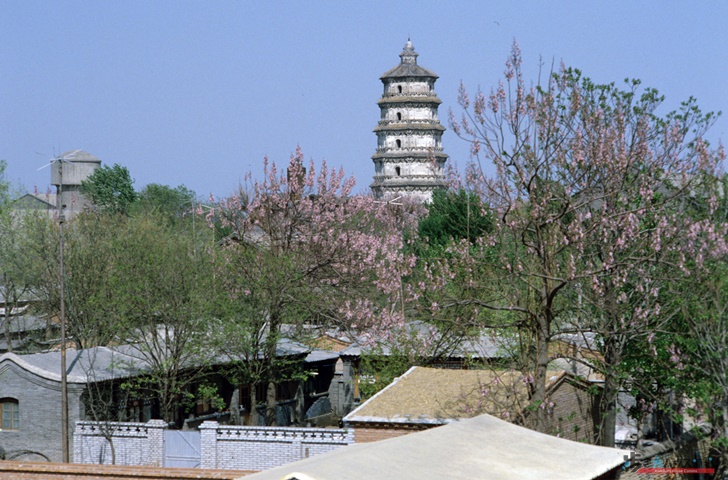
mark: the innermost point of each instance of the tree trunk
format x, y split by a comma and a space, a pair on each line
608, 409
613, 347
724, 448
254, 416
235, 407
538, 398
8, 336
271, 343
299, 413
113, 449
270, 404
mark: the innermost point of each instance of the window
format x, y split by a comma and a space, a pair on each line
399, 116
399, 143
399, 88
10, 414
396, 169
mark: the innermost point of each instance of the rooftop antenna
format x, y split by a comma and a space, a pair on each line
64, 158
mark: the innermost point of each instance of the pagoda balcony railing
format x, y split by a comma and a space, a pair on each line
408, 149
417, 121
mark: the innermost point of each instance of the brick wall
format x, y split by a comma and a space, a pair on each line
221, 447
39, 405
66, 471
261, 448
575, 413
374, 434
134, 443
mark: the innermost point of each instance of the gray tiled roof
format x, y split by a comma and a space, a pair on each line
82, 366
105, 363
408, 66
483, 347
408, 70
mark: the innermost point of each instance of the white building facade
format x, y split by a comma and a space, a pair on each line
409, 160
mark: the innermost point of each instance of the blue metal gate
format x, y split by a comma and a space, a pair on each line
182, 448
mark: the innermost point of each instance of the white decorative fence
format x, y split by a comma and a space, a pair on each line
133, 443
221, 446
260, 448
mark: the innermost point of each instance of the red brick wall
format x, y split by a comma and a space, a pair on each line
373, 434
11, 470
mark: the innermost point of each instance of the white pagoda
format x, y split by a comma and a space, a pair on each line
409, 160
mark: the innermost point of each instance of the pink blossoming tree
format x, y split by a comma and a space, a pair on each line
302, 251
587, 196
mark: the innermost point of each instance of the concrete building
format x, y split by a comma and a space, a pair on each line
409, 159
67, 173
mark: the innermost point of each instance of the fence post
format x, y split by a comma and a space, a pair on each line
208, 444
78, 444
155, 443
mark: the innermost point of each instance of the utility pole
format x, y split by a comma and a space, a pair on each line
64, 382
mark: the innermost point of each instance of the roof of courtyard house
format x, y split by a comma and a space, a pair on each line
483, 447
22, 328
484, 346
121, 361
432, 396
82, 366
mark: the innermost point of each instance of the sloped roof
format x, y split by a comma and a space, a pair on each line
483, 447
44, 201
483, 347
105, 363
436, 396
82, 366
23, 323
408, 66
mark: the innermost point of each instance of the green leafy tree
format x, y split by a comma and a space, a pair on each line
171, 203
18, 267
454, 216
4, 187
110, 189
91, 257
15, 273
161, 285
135, 281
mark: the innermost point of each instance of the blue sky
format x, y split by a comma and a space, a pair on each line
196, 93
